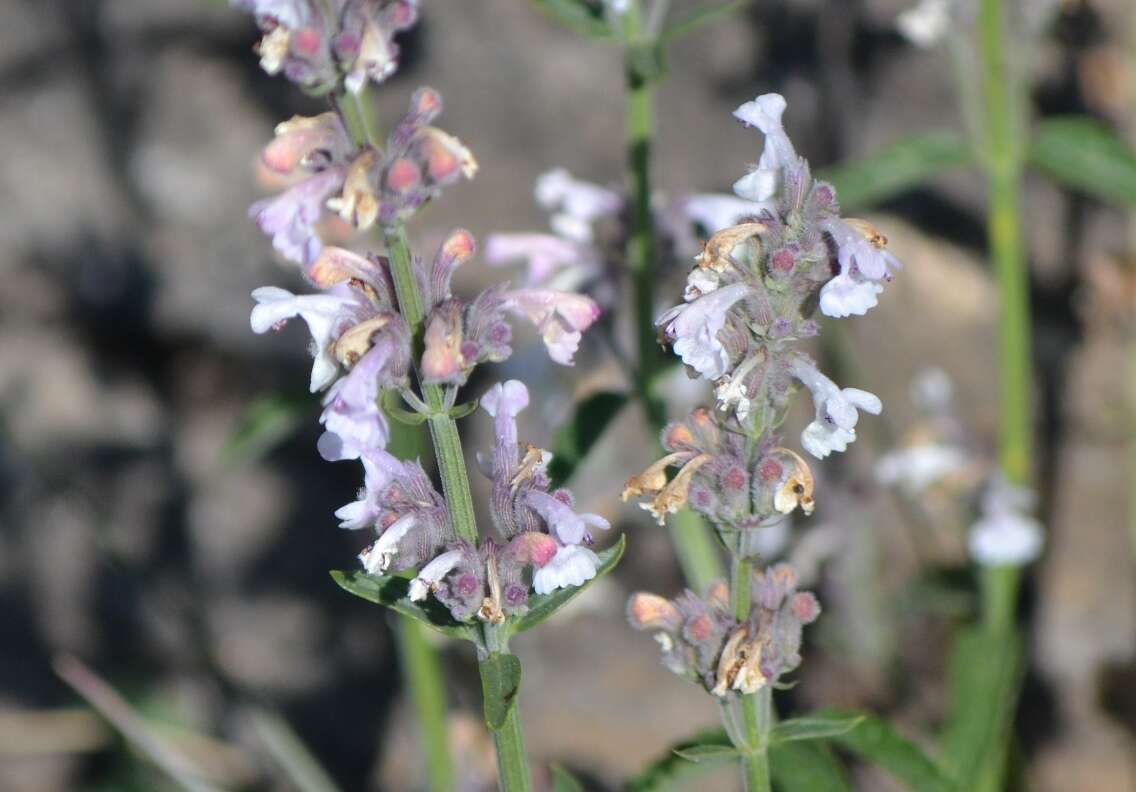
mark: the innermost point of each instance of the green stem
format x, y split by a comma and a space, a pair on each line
509, 741
420, 663
1003, 163
694, 545
756, 709
443, 428
423, 674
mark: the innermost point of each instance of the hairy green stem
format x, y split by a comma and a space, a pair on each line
513, 772
694, 545
421, 667
423, 673
756, 709
509, 741
443, 428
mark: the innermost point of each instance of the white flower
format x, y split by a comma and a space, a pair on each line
378, 557
836, 410
1005, 539
848, 295
763, 182
327, 315
700, 281
431, 574
715, 211
919, 467
925, 24
571, 566
1005, 535
694, 327
575, 204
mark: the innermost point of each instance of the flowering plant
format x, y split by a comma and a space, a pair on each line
748, 304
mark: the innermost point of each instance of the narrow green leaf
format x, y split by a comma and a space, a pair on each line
985, 676
670, 768
805, 767
563, 781
707, 753
500, 683
900, 166
392, 591
290, 754
586, 18
1088, 156
542, 606
815, 727
264, 425
701, 17
875, 741
576, 437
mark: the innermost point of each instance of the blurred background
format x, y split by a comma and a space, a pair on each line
165, 515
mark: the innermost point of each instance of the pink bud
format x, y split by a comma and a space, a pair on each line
307, 41
646, 611
770, 470
700, 628
403, 175
805, 607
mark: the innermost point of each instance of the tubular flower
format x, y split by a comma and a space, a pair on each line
311, 41
701, 640
543, 543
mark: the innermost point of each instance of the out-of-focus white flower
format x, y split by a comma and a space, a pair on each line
1005, 534
919, 467
926, 23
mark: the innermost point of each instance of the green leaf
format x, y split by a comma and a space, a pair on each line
900, 166
542, 606
700, 18
821, 726
985, 676
563, 781
393, 592
576, 437
875, 741
1088, 156
264, 425
670, 768
500, 683
805, 767
707, 753
647, 62
585, 18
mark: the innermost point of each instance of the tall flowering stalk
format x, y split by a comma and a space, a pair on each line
747, 307
390, 338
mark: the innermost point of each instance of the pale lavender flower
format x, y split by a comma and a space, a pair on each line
551, 261
765, 179
433, 573
290, 217
864, 263
365, 44
570, 528
327, 316
836, 410
352, 416
560, 318
693, 329
575, 204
